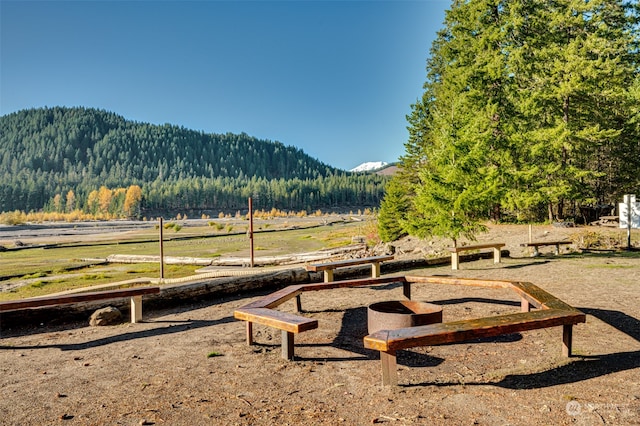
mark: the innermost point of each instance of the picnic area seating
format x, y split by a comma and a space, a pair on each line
551, 312
262, 312
537, 244
455, 252
328, 267
134, 293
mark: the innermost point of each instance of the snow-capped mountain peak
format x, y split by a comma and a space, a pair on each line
369, 166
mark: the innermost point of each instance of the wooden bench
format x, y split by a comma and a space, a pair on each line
328, 267
388, 342
537, 244
551, 312
288, 323
455, 252
261, 311
135, 294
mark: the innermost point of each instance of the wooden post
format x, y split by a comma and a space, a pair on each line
161, 252
496, 255
629, 216
525, 306
136, 309
389, 369
251, 228
375, 270
287, 345
298, 303
567, 338
455, 261
249, 332
406, 289
530, 233
328, 275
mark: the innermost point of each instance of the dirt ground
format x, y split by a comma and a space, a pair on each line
191, 364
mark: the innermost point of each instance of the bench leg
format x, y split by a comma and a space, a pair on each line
496, 255
525, 306
328, 275
287, 345
375, 270
136, 309
567, 339
455, 261
298, 303
557, 252
406, 290
536, 253
249, 333
389, 368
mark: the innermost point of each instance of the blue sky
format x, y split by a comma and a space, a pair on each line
334, 78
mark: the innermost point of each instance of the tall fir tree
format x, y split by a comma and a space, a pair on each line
461, 125
529, 106
573, 65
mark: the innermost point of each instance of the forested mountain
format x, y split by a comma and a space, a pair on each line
48, 152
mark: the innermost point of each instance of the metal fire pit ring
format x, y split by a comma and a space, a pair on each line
395, 314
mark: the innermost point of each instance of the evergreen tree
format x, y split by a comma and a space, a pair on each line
461, 125
528, 105
393, 211
573, 65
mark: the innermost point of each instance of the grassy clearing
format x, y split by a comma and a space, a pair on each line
73, 266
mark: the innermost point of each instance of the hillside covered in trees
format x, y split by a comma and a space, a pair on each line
60, 158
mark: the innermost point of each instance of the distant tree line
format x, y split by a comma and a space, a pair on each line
48, 153
530, 112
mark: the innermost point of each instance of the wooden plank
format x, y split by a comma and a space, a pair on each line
276, 298
281, 320
351, 283
538, 244
545, 243
533, 294
457, 281
458, 331
475, 247
37, 302
317, 267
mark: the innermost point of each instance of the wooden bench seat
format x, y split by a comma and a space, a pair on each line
135, 294
537, 244
261, 311
288, 323
455, 252
388, 342
550, 312
328, 267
